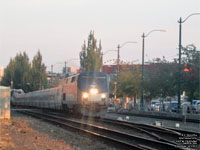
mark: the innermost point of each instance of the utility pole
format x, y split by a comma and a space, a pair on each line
142, 92
118, 60
180, 21
142, 84
179, 72
118, 71
118, 57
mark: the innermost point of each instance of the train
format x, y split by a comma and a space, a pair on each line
81, 93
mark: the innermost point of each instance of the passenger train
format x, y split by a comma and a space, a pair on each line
84, 92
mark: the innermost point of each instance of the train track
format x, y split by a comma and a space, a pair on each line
164, 134
160, 133
124, 140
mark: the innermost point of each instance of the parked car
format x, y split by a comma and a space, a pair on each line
174, 106
195, 106
155, 105
187, 106
198, 108
111, 108
166, 106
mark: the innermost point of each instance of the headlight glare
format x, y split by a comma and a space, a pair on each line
103, 95
85, 95
93, 91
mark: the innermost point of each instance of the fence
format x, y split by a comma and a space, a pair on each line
4, 102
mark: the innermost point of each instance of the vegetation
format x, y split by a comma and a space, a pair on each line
190, 72
21, 74
130, 82
91, 56
161, 78
38, 72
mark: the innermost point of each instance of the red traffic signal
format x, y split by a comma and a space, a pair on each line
186, 70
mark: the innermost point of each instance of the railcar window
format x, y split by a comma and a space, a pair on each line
64, 96
73, 79
88, 77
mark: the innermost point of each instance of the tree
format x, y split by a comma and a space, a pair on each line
91, 56
18, 72
130, 82
9, 73
190, 78
38, 71
160, 79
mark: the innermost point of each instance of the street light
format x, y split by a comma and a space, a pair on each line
180, 47
143, 38
118, 59
118, 56
102, 54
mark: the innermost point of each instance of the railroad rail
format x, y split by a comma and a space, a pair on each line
124, 140
160, 133
164, 134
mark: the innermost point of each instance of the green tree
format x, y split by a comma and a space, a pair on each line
9, 73
160, 79
190, 72
130, 82
91, 56
38, 71
18, 72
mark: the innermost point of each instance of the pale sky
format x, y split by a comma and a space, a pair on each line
59, 27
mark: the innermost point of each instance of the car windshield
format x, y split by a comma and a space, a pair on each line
195, 101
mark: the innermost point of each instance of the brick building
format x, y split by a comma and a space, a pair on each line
1, 72
111, 70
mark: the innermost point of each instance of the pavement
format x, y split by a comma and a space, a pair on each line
186, 126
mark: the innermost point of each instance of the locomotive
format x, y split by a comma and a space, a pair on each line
83, 92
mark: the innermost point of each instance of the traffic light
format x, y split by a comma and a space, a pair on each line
186, 68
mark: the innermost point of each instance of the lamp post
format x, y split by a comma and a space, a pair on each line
118, 60
115, 83
118, 56
102, 54
180, 21
143, 41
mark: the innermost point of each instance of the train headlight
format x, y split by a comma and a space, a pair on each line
85, 95
93, 91
103, 96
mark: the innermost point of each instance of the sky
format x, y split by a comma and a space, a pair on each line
58, 28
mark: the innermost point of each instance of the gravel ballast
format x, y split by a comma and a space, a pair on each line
27, 133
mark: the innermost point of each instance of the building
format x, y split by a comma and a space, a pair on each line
111, 70
1, 72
